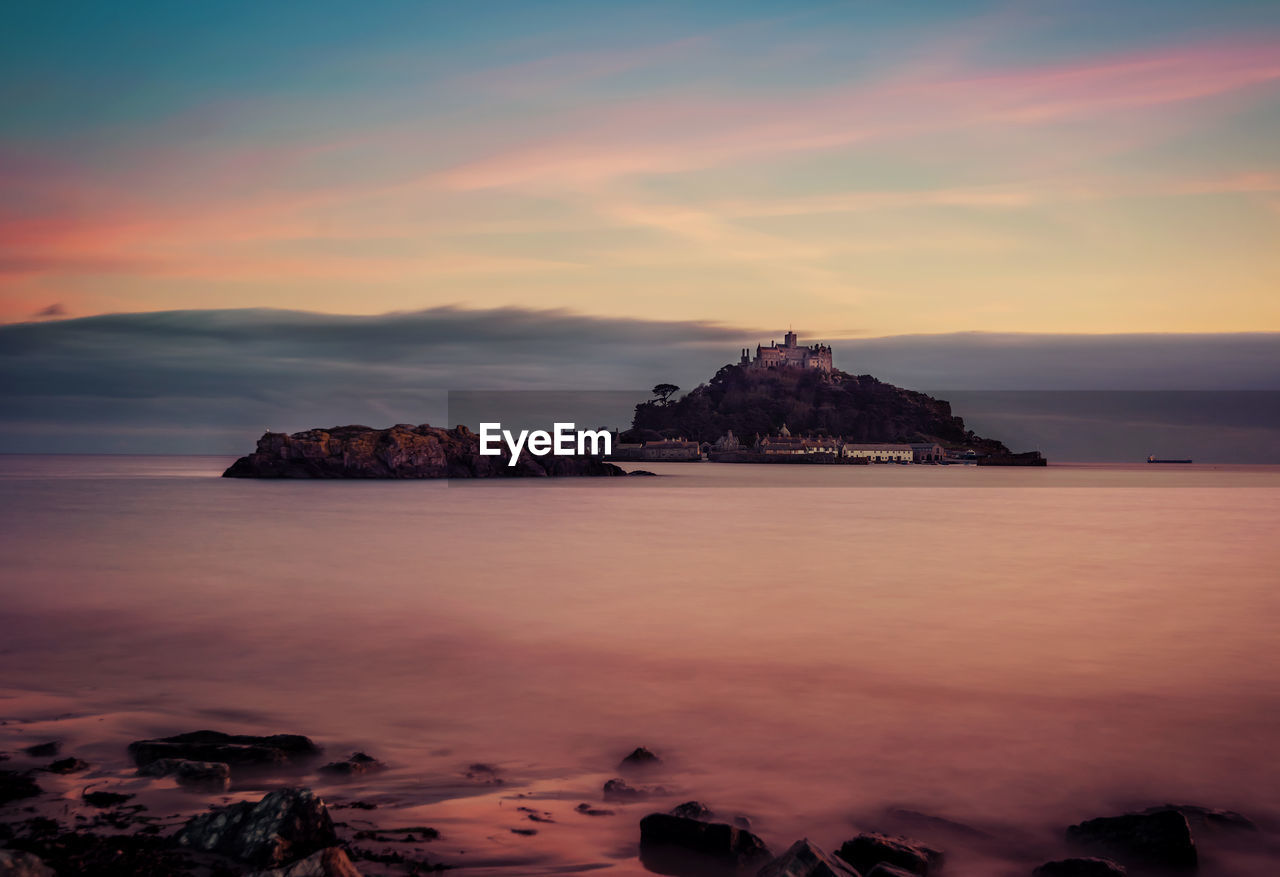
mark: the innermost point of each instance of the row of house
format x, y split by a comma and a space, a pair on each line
782, 445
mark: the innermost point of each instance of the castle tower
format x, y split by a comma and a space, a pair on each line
789, 340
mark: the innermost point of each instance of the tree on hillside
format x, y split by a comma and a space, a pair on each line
664, 392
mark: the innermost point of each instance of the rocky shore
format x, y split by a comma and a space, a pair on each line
278, 826
400, 451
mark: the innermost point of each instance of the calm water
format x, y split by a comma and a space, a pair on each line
949, 640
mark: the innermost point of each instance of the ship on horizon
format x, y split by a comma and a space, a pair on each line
1151, 458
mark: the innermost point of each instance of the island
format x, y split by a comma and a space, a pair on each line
400, 451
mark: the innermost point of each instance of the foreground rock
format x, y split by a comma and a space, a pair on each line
1208, 818
402, 451
198, 776
639, 759
18, 864
15, 786
806, 859
286, 825
1153, 839
868, 850
359, 763
332, 862
677, 845
619, 791
1080, 868
234, 750
694, 810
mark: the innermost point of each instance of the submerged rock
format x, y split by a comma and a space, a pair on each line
693, 810
67, 765
331, 862
15, 786
1080, 868
202, 776
806, 859
105, 799
44, 750
234, 750
357, 764
867, 850
286, 825
1208, 817
18, 864
1160, 839
619, 791
676, 845
639, 758
401, 451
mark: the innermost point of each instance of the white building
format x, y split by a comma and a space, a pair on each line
879, 453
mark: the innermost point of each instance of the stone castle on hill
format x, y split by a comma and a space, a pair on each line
789, 354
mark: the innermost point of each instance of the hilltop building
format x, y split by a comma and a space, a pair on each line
789, 354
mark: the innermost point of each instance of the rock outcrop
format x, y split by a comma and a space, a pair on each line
401, 451
676, 845
868, 850
807, 859
1158, 838
235, 750
286, 825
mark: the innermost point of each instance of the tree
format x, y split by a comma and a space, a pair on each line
664, 392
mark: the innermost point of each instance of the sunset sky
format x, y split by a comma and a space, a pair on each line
854, 169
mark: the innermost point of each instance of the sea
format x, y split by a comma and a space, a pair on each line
976, 657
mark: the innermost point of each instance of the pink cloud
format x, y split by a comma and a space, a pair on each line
686, 133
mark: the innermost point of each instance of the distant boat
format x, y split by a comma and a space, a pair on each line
1152, 459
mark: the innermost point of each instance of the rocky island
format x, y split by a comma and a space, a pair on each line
401, 451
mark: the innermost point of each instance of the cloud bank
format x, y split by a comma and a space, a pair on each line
210, 381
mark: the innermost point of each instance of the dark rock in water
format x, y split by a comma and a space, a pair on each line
286, 825
332, 862
806, 859
693, 810
867, 850
105, 799
643, 473
234, 750
401, 451
639, 758
525, 832
676, 845
1080, 868
18, 864
44, 750
1208, 818
588, 810
357, 764
619, 790
202, 776
67, 765
1160, 839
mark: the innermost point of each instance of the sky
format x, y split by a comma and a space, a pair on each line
857, 170
219, 218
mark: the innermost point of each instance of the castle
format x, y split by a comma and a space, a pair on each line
789, 354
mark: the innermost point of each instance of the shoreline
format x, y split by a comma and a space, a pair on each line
120, 813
